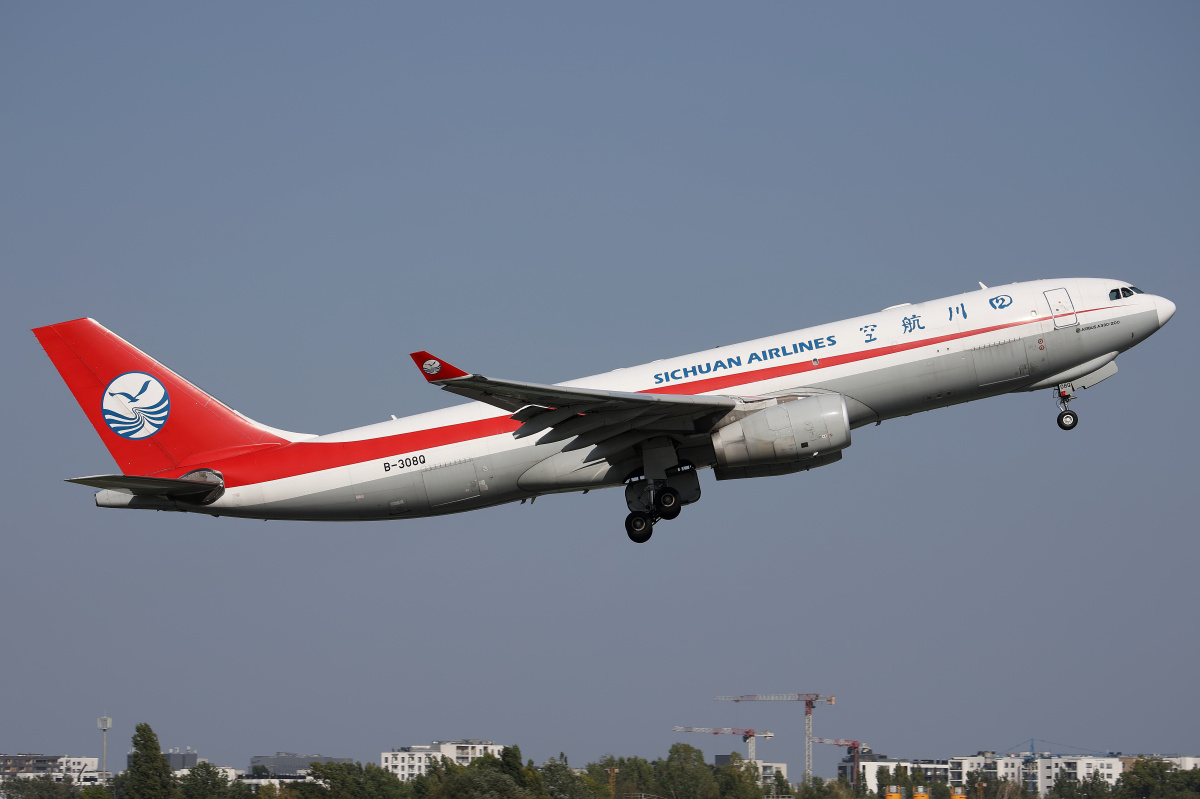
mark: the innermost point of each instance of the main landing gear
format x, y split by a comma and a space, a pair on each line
667, 504
652, 501
664, 486
1067, 419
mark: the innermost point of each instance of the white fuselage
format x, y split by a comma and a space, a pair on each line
894, 362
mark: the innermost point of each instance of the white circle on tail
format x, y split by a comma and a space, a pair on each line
136, 405
432, 367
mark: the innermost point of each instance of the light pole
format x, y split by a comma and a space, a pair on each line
105, 724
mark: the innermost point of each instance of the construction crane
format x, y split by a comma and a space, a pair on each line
855, 748
748, 736
809, 701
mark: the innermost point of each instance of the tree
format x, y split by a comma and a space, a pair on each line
478, 783
635, 775
510, 764
351, 781
685, 775
204, 781
149, 775
997, 787
560, 782
781, 786
1094, 787
738, 779
43, 787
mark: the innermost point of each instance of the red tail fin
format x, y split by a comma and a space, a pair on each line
150, 418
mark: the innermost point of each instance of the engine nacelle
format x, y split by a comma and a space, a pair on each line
788, 433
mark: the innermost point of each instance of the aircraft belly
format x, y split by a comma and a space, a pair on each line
905, 388
334, 504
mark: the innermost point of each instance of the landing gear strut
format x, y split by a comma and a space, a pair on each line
1066, 419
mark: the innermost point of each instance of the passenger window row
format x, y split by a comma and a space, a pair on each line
1128, 291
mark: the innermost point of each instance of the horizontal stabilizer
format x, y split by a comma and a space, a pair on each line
147, 486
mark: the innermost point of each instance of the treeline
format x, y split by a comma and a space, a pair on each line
682, 774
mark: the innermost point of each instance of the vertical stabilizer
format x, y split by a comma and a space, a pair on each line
151, 419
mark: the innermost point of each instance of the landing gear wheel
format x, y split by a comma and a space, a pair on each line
1068, 419
639, 526
668, 503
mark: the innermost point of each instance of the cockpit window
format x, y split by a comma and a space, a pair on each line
1126, 293
1115, 294
1136, 290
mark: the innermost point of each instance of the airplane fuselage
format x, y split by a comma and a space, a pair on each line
895, 362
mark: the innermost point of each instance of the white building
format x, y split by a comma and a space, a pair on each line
869, 764
58, 768
228, 772
406, 762
1037, 771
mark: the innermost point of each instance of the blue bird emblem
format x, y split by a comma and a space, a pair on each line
136, 405
132, 397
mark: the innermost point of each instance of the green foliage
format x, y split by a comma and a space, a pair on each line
1153, 778
149, 775
1094, 787
816, 788
510, 764
95, 792
204, 781
635, 775
349, 781
781, 786
685, 775
43, 787
560, 782
939, 790
997, 787
738, 779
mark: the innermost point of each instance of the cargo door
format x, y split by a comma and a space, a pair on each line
450, 484
1000, 362
1061, 307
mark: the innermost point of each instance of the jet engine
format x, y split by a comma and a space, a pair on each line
790, 436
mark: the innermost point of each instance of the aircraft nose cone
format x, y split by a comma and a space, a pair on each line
1166, 309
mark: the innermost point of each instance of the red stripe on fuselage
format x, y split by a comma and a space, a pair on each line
304, 457
705, 385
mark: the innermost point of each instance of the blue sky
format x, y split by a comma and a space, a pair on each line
281, 201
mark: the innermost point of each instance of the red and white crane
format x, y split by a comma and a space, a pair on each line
748, 736
809, 701
855, 748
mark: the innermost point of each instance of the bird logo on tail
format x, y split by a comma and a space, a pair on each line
136, 405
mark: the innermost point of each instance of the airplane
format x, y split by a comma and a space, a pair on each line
771, 406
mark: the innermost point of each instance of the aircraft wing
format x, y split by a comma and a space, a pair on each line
616, 420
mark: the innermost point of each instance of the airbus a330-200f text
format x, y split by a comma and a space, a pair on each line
772, 406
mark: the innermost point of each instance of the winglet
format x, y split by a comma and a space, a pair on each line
435, 369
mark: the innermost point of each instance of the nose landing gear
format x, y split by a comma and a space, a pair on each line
1066, 419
